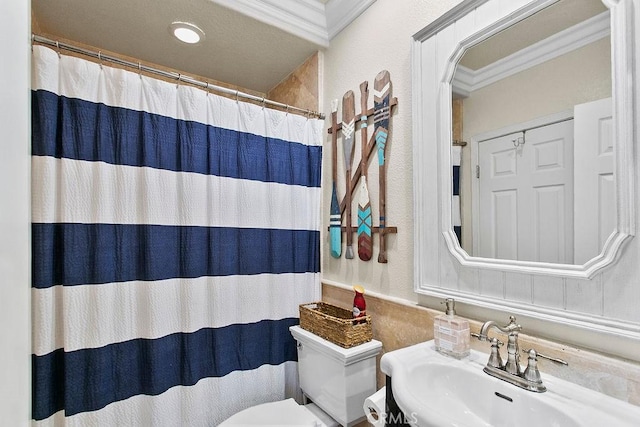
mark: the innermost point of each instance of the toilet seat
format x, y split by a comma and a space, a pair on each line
282, 413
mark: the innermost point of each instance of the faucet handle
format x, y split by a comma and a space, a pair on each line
553, 359
486, 338
480, 337
532, 373
494, 359
512, 326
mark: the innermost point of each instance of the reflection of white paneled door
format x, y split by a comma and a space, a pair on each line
525, 201
595, 208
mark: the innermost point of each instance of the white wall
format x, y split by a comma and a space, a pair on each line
379, 39
15, 314
554, 86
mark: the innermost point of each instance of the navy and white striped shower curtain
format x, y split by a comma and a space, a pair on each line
175, 232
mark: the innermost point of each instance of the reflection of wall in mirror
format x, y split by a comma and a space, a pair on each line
557, 85
579, 76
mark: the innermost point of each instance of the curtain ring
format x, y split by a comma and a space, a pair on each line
58, 48
237, 96
100, 58
207, 88
287, 109
264, 103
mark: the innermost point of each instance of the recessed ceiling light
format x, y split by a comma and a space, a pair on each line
186, 32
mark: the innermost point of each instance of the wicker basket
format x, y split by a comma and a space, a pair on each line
335, 324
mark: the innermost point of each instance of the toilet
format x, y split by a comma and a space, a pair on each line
335, 382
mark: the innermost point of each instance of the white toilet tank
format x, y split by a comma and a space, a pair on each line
336, 379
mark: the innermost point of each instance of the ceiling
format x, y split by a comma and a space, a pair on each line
253, 44
548, 21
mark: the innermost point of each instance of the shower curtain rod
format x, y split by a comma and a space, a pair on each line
169, 74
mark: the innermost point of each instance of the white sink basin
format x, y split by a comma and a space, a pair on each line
436, 390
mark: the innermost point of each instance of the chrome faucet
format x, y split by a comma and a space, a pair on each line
510, 371
513, 350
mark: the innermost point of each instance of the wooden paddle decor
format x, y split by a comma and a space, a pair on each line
335, 218
348, 134
356, 176
365, 239
381, 96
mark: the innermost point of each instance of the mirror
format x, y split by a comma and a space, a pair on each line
439, 81
598, 297
533, 102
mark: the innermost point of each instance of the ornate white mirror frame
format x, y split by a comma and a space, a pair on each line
589, 295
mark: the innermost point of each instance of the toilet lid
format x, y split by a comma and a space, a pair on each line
281, 413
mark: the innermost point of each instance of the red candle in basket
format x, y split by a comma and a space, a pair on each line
359, 305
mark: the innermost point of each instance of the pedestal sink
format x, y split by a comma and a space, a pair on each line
435, 390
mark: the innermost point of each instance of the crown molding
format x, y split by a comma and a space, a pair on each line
308, 19
463, 80
575, 37
303, 18
341, 13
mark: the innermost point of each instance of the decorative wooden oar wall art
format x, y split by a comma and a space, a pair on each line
379, 138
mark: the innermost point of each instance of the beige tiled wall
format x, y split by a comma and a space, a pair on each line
397, 324
300, 88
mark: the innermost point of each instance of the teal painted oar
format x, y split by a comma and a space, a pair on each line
365, 239
381, 97
348, 128
335, 233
